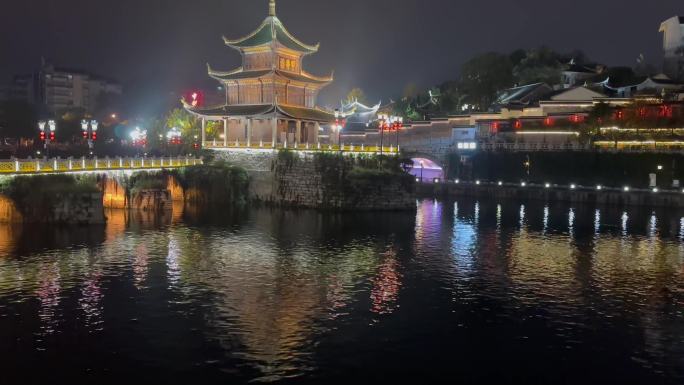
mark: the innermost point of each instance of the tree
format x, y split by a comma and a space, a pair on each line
410, 91
483, 76
450, 101
188, 124
356, 94
541, 65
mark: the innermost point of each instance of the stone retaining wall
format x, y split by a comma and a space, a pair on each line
82, 208
302, 185
151, 200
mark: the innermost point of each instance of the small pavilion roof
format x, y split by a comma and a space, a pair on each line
356, 107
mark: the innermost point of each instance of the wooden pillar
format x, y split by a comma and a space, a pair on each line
274, 134
225, 132
204, 131
249, 132
298, 132
316, 129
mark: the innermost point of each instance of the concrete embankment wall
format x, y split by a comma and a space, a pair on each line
559, 194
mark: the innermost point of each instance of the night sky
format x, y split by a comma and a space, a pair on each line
159, 48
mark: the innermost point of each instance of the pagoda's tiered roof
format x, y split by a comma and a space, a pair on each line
240, 73
254, 110
270, 31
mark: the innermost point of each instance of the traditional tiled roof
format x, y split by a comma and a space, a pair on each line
526, 94
231, 110
236, 74
306, 113
294, 112
241, 74
272, 29
356, 107
305, 77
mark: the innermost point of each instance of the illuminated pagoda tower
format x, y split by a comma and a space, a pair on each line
270, 99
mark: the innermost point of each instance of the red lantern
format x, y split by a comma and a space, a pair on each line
576, 118
518, 124
195, 98
665, 111
548, 122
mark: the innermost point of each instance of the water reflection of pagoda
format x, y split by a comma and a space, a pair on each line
270, 99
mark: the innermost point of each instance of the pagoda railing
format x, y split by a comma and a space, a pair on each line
58, 165
357, 148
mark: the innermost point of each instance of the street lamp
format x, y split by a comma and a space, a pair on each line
174, 136
89, 131
390, 123
139, 137
47, 134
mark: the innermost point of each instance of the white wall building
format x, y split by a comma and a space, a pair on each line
60, 89
673, 45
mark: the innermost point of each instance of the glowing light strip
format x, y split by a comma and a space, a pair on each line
547, 133
641, 129
637, 142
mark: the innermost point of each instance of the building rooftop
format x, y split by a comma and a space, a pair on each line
523, 94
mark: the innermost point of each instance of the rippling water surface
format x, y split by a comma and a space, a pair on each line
467, 291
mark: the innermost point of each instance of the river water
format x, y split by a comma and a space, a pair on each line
465, 291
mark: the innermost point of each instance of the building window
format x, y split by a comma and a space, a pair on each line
287, 64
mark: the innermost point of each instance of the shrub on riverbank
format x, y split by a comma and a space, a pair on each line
36, 196
146, 181
41, 187
215, 183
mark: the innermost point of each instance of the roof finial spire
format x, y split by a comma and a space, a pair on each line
271, 8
